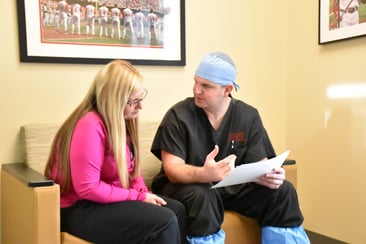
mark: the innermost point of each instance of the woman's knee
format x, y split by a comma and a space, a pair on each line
165, 230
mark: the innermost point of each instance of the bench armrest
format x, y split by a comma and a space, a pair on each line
289, 162
30, 206
291, 171
27, 175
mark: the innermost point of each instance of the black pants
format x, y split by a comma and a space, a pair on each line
205, 207
125, 222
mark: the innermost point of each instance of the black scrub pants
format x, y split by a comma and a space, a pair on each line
205, 207
125, 222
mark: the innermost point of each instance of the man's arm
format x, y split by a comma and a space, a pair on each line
178, 171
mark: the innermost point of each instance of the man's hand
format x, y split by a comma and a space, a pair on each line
274, 179
215, 171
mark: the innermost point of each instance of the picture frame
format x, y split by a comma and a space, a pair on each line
341, 20
43, 37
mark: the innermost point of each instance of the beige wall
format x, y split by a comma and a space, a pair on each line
327, 135
34, 92
282, 71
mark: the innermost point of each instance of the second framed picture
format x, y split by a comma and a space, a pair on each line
341, 19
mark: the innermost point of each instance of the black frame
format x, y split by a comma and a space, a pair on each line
328, 24
180, 50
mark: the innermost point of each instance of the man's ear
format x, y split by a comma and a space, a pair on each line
228, 89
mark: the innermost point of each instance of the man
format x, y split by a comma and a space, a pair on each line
45, 14
140, 17
62, 8
153, 20
348, 12
103, 20
75, 11
116, 24
90, 15
198, 140
127, 22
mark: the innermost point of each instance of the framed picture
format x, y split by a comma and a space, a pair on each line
341, 19
144, 32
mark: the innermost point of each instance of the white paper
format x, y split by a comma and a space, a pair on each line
251, 172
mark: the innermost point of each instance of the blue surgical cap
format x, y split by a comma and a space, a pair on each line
219, 68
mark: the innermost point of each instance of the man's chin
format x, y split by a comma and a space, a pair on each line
199, 103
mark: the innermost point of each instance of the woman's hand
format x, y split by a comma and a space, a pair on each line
154, 199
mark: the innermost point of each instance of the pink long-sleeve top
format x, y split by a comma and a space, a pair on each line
93, 167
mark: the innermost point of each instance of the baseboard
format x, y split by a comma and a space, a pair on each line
316, 238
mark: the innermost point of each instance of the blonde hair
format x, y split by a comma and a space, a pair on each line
108, 96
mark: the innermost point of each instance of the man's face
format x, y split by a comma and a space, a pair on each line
207, 94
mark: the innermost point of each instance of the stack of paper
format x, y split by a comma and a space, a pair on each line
251, 172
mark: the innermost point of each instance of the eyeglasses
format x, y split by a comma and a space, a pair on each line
137, 100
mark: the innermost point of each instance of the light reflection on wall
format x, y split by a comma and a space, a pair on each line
347, 91
349, 101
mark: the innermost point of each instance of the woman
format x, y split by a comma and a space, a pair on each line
95, 159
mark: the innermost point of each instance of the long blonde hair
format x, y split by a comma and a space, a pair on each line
108, 95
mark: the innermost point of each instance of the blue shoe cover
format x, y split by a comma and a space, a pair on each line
217, 238
284, 235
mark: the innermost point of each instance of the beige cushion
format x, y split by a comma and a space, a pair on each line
240, 229
151, 164
37, 140
67, 238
